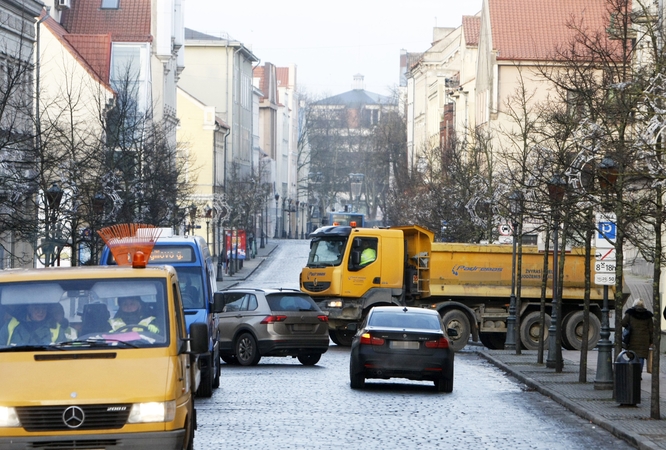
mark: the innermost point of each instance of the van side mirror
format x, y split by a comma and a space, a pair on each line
198, 338
218, 302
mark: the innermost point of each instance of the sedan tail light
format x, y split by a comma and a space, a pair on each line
273, 319
439, 343
323, 318
367, 339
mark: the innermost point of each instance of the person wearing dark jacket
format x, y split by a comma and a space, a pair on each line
639, 320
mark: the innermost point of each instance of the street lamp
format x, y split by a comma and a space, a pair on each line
193, 217
289, 200
607, 172
298, 203
208, 215
277, 197
515, 207
98, 204
556, 189
53, 199
356, 184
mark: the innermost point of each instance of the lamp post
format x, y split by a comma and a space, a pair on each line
607, 172
53, 199
298, 204
193, 217
289, 200
356, 184
208, 215
556, 190
98, 204
515, 207
277, 197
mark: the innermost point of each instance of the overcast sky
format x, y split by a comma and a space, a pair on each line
330, 42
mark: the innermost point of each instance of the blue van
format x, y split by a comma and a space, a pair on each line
190, 257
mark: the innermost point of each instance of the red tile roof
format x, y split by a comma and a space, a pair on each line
282, 75
95, 49
535, 29
471, 26
259, 72
129, 23
92, 52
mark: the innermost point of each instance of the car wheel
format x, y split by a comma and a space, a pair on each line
217, 368
444, 384
356, 378
530, 328
247, 353
188, 444
310, 359
334, 337
231, 360
458, 321
206, 385
573, 330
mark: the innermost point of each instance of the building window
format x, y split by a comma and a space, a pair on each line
110, 4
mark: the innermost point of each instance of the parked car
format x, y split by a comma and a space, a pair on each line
402, 342
270, 322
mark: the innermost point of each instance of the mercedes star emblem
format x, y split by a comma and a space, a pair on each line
73, 417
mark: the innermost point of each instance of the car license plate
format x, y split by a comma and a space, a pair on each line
302, 327
407, 345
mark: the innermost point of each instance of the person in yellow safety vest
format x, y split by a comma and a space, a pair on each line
58, 314
133, 311
368, 254
35, 328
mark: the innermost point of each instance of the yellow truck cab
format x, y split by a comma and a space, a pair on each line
80, 371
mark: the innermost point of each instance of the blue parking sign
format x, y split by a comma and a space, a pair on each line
606, 233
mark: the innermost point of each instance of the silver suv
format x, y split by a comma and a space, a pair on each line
269, 322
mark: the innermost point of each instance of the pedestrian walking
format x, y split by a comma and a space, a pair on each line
639, 321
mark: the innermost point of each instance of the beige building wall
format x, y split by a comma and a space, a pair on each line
67, 85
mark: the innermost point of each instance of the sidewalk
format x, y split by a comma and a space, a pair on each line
249, 266
630, 423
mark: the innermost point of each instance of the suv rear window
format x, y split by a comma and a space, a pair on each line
291, 302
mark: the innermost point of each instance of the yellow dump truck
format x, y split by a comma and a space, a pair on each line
469, 284
79, 372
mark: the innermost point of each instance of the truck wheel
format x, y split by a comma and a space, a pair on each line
493, 341
206, 385
247, 352
342, 338
530, 327
573, 330
458, 321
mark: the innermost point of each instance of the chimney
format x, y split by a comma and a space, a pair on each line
358, 82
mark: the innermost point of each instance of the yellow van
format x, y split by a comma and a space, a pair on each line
81, 367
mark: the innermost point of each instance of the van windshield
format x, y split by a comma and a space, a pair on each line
191, 286
71, 314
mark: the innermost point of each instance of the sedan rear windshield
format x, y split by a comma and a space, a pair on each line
291, 302
404, 320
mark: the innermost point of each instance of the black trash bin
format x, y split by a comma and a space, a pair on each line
627, 378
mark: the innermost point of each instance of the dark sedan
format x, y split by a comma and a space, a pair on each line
401, 342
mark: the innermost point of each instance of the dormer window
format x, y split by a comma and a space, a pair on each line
110, 4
